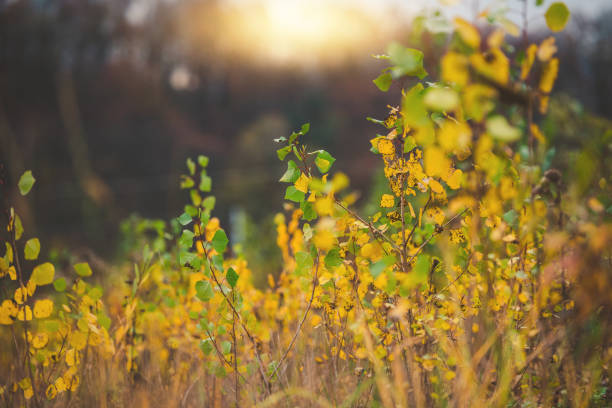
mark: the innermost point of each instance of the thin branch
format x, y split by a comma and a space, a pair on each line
375, 232
434, 234
299, 328
247, 332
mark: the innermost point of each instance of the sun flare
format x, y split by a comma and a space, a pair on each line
289, 32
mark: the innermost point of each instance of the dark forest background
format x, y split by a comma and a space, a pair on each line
105, 112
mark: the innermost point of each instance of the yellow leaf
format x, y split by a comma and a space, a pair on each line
387, 201
475, 327
547, 49
43, 308
454, 135
315, 320
72, 359
496, 39
455, 68
21, 295
544, 104
31, 287
435, 186
324, 239
549, 75
60, 385
12, 273
385, 146
493, 65
8, 310
24, 313
537, 133
454, 181
51, 392
468, 33
78, 340
324, 206
528, 60
302, 183
40, 340
412, 214
436, 162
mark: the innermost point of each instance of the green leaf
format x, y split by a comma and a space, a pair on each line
186, 239
191, 166
219, 241
304, 263
305, 128
209, 203
191, 211
292, 173
18, 227
232, 277
184, 218
308, 210
82, 269
378, 267
205, 182
406, 61
282, 153
557, 16
204, 291
26, 181
332, 259
217, 262
374, 120
186, 182
43, 274
441, 99
186, 257
59, 284
32, 249
206, 346
324, 161
499, 128
383, 81
226, 347
203, 160
421, 269
95, 293
104, 320
294, 194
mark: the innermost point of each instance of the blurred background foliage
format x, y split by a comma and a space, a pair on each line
104, 100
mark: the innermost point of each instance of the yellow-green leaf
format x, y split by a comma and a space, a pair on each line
43, 274
26, 181
32, 249
557, 16
82, 269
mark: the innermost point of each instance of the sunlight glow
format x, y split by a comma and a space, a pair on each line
291, 32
